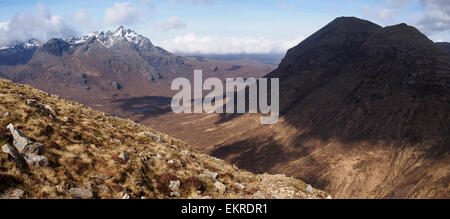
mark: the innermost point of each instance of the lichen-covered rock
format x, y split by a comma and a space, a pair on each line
124, 156
49, 109
79, 193
240, 186
25, 149
33, 148
36, 160
174, 186
20, 140
209, 175
12, 151
220, 187
13, 194
31, 102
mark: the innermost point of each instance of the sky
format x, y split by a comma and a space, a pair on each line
213, 26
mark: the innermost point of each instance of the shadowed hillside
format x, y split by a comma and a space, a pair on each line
365, 114
444, 46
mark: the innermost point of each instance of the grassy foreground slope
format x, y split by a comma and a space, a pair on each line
92, 155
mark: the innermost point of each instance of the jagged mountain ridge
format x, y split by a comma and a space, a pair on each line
18, 52
96, 62
109, 38
101, 66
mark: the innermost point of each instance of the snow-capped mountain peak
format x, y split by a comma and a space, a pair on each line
110, 39
120, 32
130, 36
81, 39
30, 44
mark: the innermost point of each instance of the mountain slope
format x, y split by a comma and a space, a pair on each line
18, 53
365, 114
388, 97
444, 46
90, 155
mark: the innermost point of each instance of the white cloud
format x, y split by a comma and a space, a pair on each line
3, 26
124, 13
192, 43
436, 17
147, 3
82, 17
387, 12
40, 24
433, 18
285, 6
203, 2
385, 15
171, 23
399, 3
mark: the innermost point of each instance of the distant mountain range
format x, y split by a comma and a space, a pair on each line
103, 64
271, 59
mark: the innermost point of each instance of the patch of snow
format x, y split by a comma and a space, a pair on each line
32, 44
83, 39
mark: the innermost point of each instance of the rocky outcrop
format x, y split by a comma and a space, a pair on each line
25, 150
44, 108
174, 186
79, 193
125, 156
209, 174
220, 187
13, 194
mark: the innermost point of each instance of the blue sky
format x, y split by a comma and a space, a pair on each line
214, 26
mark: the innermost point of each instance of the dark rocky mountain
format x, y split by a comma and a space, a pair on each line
103, 65
55, 47
363, 65
355, 91
365, 114
445, 46
18, 53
